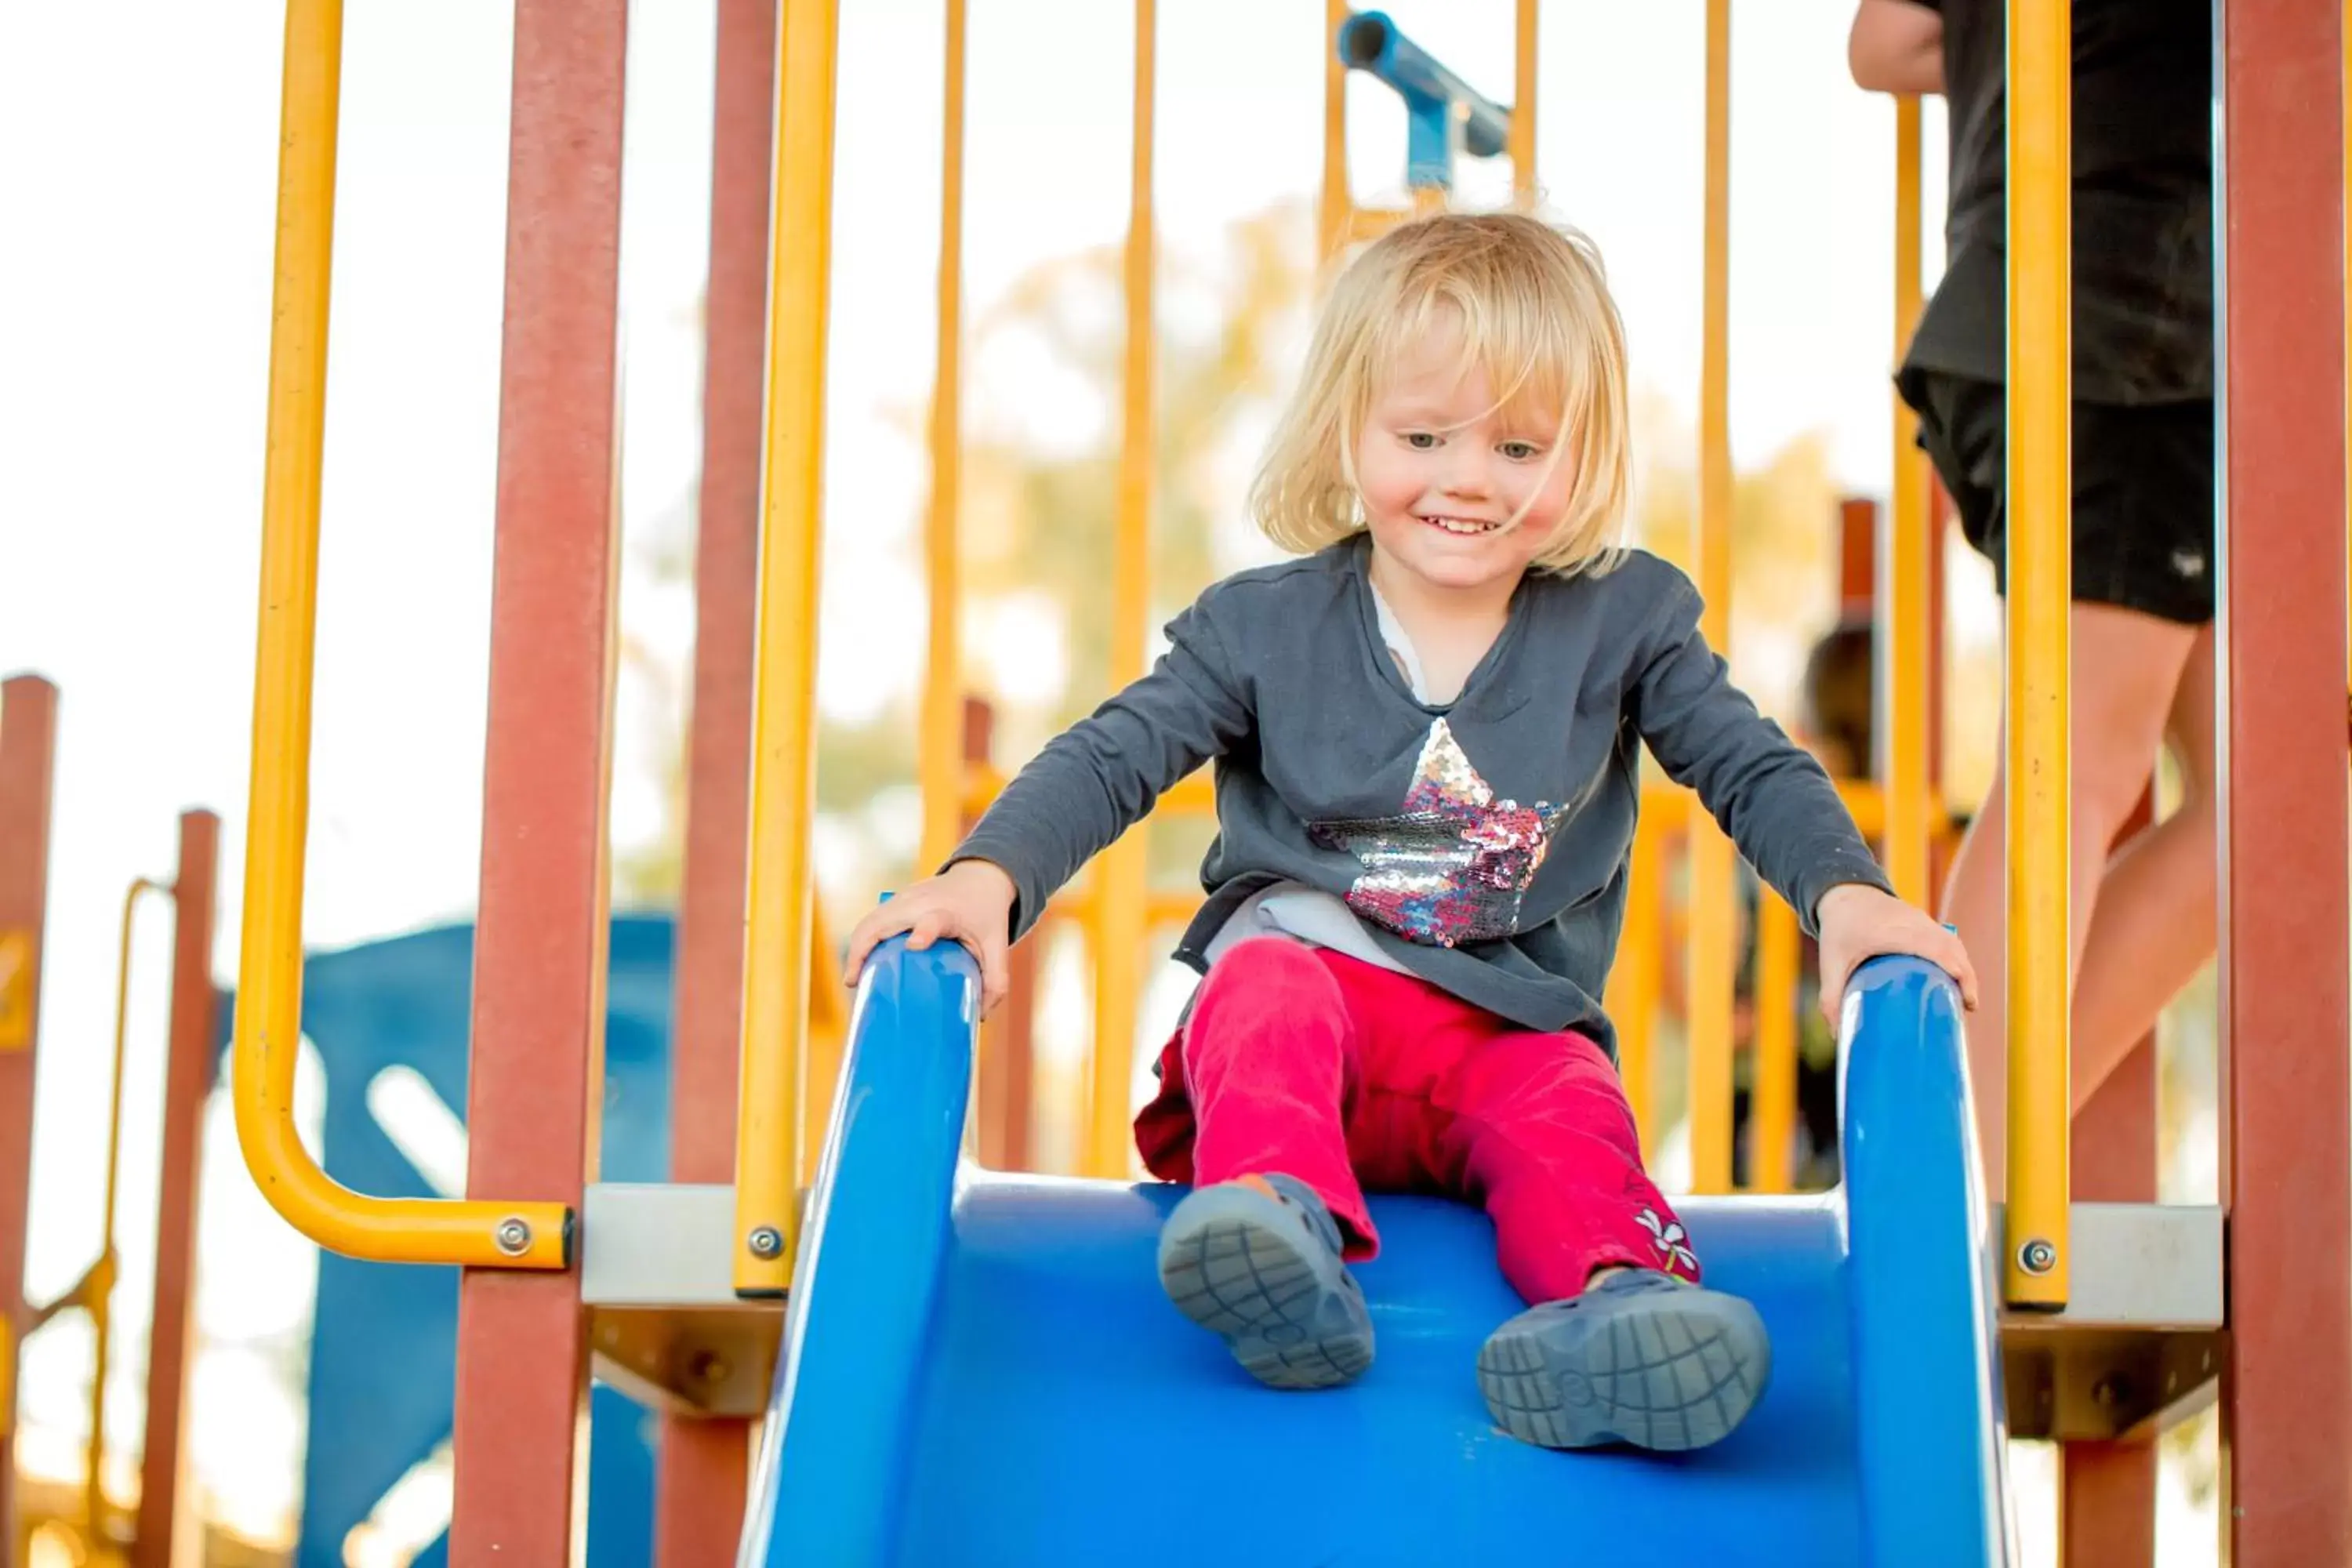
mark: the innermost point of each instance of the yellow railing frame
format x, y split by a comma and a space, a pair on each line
1714, 897
1122, 874
1906, 567
2034, 1254
477, 1232
97, 1290
781, 904
941, 757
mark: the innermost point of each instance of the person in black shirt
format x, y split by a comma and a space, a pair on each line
2143, 495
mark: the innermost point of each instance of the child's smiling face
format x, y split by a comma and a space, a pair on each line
1443, 471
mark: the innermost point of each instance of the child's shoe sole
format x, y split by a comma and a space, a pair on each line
1245, 1265
1668, 1370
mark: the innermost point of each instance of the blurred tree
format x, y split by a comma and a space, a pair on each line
1038, 517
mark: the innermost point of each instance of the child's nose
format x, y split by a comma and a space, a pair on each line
1467, 475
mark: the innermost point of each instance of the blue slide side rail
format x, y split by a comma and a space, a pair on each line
1919, 1289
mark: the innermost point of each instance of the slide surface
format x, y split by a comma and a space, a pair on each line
981, 1370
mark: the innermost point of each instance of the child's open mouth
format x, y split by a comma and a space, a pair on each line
1467, 526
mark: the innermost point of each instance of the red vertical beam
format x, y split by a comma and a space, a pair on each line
29, 743
701, 1466
2106, 1499
187, 1083
1857, 556
2287, 1383
539, 947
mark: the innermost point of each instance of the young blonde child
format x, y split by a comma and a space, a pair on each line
1425, 730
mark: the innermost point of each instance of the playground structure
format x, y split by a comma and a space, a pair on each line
2107, 1313
147, 1534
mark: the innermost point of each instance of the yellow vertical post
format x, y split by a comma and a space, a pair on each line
1633, 999
1713, 912
1905, 571
780, 896
2040, 560
100, 1286
1333, 201
943, 740
1772, 1098
1120, 876
1522, 147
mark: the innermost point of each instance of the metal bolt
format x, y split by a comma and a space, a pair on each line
2037, 1257
514, 1236
767, 1242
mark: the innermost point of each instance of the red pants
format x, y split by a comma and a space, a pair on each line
1347, 1076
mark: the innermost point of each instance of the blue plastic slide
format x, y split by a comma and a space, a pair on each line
980, 1372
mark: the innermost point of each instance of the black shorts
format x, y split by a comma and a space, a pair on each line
2144, 492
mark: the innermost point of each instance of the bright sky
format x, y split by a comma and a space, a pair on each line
134, 312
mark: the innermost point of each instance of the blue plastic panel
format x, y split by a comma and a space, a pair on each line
383, 1349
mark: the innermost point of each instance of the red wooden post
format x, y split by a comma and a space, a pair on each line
539, 947
2287, 1383
28, 742
187, 1084
1857, 556
2107, 1501
701, 1466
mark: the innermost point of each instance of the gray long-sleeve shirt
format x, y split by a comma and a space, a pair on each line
1483, 844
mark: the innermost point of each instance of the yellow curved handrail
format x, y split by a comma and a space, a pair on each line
473, 1232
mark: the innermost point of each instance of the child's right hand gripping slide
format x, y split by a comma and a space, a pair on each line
970, 902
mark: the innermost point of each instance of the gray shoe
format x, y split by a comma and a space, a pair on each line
1641, 1358
1256, 1261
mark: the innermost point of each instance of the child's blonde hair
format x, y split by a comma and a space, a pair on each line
1532, 304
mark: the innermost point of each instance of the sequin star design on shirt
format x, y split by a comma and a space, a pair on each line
1453, 867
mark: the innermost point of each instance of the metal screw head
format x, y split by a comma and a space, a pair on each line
767, 1242
514, 1236
2037, 1257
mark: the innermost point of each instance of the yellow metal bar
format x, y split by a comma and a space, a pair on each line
101, 1286
1121, 885
1904, 567
1335, 206
476, 1233
1633, 992
1714, 911
1772, 1095
777, 946
1522, 147
2040, 557
943, 740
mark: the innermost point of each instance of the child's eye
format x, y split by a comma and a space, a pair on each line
1420, 441
1522, 451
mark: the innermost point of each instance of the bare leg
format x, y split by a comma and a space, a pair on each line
2154, 927
2127, 671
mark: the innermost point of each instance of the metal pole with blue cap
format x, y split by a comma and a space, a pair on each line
1444, 115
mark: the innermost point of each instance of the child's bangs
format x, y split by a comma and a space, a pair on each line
1531, 349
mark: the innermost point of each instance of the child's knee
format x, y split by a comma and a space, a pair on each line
1268, 992
1270, 971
